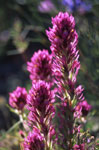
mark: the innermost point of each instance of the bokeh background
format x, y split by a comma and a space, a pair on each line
22, 32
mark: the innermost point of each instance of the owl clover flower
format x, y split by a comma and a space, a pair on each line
40, 104
64, 40
40, 67
17, 99
40, 98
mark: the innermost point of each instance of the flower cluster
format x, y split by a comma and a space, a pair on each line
39, 101
18, 98
40, 67
56, 106
64, 39
62, 33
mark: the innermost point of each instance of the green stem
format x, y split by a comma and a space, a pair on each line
14, 126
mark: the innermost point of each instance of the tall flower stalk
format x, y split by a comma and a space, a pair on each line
40, 104
64, 40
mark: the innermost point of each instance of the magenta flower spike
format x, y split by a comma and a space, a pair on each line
40, 104
64, 40
62, 35
18, 98
40, 67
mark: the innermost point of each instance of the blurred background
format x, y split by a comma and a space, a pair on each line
22, 31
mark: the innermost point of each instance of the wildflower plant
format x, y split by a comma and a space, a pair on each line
57, 108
